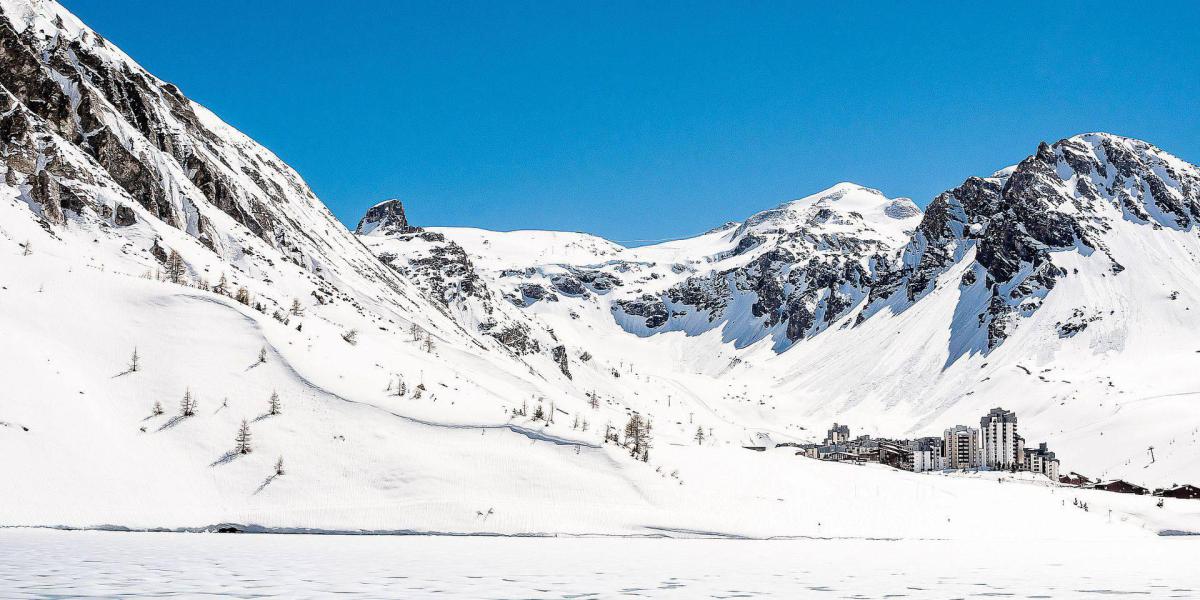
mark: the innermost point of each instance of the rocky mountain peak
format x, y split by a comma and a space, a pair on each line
385, 218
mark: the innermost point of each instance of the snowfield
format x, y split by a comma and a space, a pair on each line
462, 381
34, 564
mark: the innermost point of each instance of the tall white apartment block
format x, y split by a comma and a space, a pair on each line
1000, 440
927, 454
962, 447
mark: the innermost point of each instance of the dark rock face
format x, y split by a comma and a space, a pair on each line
559, 353
648, 307
809, 276
386, 217
1057, 200
532, 292
515, 336
136, 133
568, 285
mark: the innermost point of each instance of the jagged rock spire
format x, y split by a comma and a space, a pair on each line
384, 218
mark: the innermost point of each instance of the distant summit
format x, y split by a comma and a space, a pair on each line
384, 218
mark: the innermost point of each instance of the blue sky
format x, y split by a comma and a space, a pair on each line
638, 120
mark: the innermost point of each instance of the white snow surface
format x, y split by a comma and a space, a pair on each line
34, 564
81, 448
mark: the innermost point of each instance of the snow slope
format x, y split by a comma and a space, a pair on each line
842, 305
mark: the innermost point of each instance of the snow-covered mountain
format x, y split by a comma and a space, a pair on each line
460, 380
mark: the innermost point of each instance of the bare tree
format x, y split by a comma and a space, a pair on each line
279, 466
699, 437
297, 310
351, 336
222, 286
637, 437
27, 248
593, 400
273, 405
243, 439
401, 387
428, 344
415, 331
133, 361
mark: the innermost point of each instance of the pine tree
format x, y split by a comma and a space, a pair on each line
594, 400
187, 407
133, 361
401, 388
243, 438
158, 409
538, 413
222, 286
699, 436
273, 405
297, 310
262, 355
175, 268
243, 296
279, 466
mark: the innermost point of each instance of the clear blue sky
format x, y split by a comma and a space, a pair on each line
647, 120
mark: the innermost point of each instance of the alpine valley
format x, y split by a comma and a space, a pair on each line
458, 380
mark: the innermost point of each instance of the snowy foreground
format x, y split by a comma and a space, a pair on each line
43, 563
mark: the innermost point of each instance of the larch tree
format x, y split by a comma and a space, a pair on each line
274, 406
133, 361
157, 409
175, 268
297, 310
187, 406
243, 439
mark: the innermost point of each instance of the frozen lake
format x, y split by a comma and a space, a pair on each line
54, 564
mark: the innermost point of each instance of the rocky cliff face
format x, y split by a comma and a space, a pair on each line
789, 272
92, 137
1064, 197
385, 218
